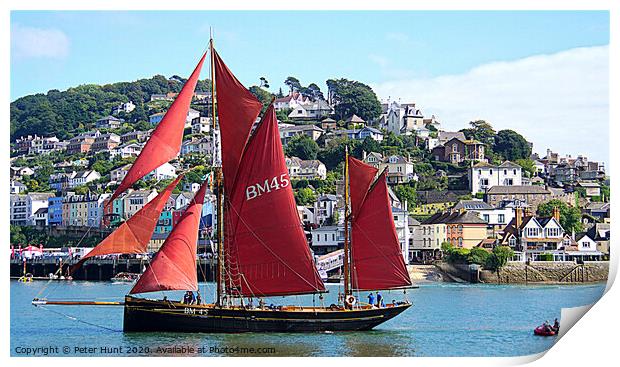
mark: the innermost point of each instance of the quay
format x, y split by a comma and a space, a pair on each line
98, 269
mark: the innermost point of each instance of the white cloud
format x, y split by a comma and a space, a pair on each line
29, 42
560, 101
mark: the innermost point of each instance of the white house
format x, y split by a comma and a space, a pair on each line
17, 187
124, 107
126, 150
290, 101
109, 122
118, 174
83, 177
483, 176
95, 209
325, 207
305, 169
163, 172
327, 239
305, 214
311, 110
401, 222
201, 125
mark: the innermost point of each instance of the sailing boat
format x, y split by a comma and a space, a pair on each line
262, 250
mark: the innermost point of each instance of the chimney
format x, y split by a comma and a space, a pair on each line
518, 217
556, 214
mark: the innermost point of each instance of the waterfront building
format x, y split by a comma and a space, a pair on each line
95, 209
325, 208
54, 211
327, 239
201, 125
533, 237
164, 223
483, 176
19, 209
135, 200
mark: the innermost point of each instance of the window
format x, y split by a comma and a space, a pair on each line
455, 148
509, 182
512, 242
514, 171
501, 218
333, 237
586, 244
485, 217
491, 171
325, 237
484, 182
505, 171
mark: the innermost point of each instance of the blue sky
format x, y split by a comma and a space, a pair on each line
56, 50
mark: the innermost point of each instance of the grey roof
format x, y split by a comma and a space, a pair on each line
325, 229
40, 211
448, 135
472, 205
40, 195
519, 189
509, 164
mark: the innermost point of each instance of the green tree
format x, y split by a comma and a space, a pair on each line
482, 131
570, 217
527, 165
511, 145
17, 237
499, 257
478, 255
352, 97
305, 196
262, 95
293, 83
406, 193
302, 146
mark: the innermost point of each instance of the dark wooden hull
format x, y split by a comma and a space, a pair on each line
143, 315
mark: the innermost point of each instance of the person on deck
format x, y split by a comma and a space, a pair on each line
198, 298
186, 298
371, 299
192, 298
380, 300
261, 303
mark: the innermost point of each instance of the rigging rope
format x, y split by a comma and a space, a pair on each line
73, 318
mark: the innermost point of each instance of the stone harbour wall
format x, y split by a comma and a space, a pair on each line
548, 272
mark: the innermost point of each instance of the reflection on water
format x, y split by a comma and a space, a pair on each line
445, 320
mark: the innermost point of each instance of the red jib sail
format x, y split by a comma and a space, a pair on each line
237, 110
377, 261
174, 265
266, 249
165, 141
361, 176
133, 236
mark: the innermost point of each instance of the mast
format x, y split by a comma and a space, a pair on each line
218, 186
347, 271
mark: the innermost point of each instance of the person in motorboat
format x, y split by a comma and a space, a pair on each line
556, 325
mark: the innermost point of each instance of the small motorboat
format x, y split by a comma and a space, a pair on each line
542, 331
125, 277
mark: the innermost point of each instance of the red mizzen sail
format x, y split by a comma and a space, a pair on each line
266, 249
361, 176
237, 110
165, 141
174, 265
133, 236
377, 261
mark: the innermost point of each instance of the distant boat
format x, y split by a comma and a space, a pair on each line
125, 277
261, 246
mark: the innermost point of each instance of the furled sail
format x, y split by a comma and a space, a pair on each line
266, 249
237, 109
133, 235
165, 141
377, 261
174, 265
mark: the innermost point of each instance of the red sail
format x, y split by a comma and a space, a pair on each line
237, 110
174, 265
377, 261
361, 176
165, 141
266, 249
133, 236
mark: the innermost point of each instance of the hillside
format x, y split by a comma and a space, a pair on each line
75, 110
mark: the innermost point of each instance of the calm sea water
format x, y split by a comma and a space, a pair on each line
446, 320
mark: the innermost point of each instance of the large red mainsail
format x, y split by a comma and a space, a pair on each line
377, 261
165, 141
266, 249
361, 176
237, 110
174, 265
133, 235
